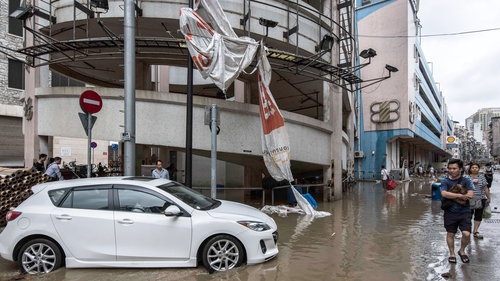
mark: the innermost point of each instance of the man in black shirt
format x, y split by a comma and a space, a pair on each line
488, 174
40, 164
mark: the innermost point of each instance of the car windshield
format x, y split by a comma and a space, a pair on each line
193, 198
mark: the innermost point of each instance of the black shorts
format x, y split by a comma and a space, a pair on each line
453, 221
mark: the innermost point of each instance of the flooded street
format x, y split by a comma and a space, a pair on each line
371, 235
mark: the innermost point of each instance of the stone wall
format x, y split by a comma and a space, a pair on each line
7, 95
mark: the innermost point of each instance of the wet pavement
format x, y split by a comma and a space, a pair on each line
371, 235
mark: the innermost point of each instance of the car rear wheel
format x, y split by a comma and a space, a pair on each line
222, 253
39, 256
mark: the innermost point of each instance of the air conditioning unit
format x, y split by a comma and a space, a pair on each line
359, 154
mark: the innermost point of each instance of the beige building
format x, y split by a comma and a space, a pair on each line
83, 46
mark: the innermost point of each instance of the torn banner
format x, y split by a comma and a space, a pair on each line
219, 54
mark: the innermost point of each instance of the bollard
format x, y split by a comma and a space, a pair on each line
436, 192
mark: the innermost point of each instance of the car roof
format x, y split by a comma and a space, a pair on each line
137, 180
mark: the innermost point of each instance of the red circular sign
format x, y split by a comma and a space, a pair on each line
90, 102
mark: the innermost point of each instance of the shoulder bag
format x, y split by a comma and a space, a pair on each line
446, 203
476, 203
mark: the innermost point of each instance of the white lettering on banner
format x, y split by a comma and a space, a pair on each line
89, 101
268, 110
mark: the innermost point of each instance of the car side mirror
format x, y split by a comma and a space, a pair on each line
172, 210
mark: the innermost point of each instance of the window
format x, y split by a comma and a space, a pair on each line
59, 80
15, 25
141, 202
16, 74
92, 199
57, 194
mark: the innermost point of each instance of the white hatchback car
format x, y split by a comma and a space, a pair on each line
133, 222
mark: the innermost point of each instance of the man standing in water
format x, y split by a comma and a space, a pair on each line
384, 176
457, 216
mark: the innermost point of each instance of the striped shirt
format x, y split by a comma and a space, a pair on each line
479, 186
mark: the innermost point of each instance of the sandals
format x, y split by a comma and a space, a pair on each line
452, 259
478, 235
464, 257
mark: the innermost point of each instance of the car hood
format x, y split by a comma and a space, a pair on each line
238, 211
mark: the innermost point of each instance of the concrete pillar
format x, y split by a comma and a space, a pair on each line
163, 78
239, 91
333, 115
253, 177
138, 159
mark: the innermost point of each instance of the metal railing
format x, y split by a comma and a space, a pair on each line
306, 186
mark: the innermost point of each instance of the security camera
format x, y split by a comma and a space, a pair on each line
267, 23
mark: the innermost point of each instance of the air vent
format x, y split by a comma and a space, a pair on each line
359, 154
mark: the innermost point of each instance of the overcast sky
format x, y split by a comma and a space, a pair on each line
466, 66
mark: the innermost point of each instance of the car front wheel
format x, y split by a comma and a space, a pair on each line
39, 256
222, 253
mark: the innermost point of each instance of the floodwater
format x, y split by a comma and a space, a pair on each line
371, 235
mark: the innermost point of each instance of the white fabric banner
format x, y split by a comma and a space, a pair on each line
275, 143
220, 57
219, 54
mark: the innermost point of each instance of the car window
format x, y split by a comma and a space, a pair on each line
93, 199
189, 196
140, 202
56, 195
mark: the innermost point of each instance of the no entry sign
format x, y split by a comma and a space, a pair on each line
90, 102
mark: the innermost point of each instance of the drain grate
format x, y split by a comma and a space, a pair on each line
492, 221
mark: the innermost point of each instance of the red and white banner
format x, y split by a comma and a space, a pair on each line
275, 143
217, 53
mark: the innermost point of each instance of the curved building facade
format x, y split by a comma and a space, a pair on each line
310, 50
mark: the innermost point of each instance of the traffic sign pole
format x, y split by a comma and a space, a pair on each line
89, 133
90, 102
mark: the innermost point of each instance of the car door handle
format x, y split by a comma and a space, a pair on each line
126, 221
64, 217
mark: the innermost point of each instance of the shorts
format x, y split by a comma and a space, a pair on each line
453, 221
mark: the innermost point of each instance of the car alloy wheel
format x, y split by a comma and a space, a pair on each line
222, 252
39, 256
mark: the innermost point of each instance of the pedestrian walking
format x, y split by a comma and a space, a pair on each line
384, 176
457, 216
488, 174
431, 171
482, 192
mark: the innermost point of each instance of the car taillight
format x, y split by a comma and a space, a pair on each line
12, 215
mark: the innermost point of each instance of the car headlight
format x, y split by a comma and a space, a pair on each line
255, 225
